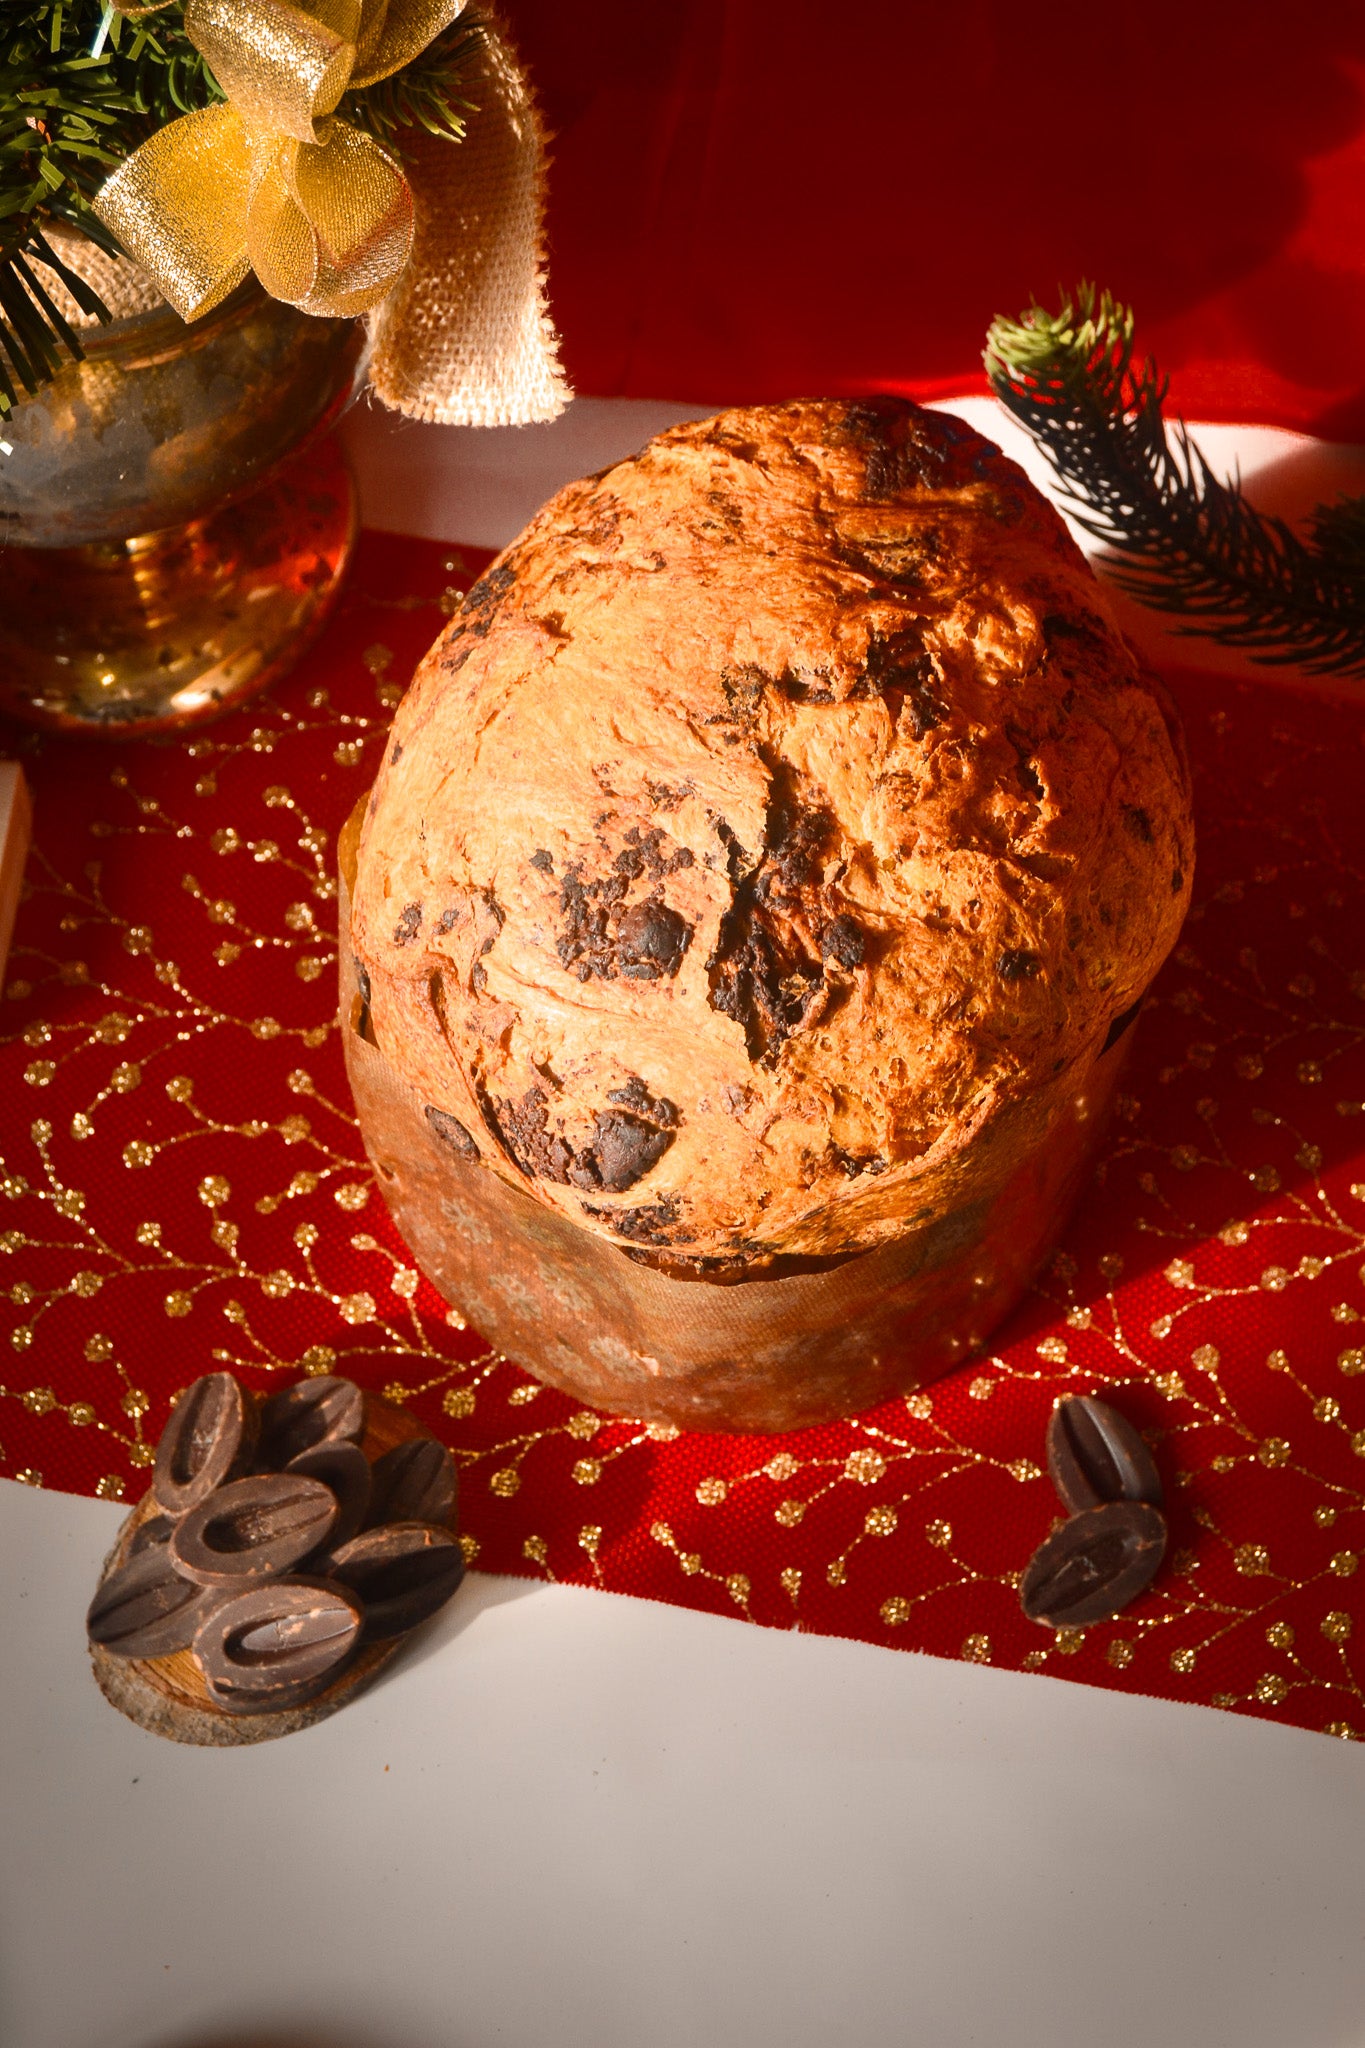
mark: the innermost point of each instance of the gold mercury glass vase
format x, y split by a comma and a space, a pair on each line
171, 537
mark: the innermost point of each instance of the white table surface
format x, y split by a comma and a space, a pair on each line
572, 1818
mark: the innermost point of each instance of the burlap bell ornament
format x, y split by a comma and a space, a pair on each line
438, 247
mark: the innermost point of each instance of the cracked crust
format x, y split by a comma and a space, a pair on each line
775, 833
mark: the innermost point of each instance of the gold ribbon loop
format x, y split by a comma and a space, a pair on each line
271, 181
179, 207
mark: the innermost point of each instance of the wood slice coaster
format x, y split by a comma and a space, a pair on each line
167, 1695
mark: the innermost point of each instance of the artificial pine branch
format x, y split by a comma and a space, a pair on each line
1190, 544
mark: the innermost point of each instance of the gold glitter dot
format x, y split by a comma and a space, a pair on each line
86, 1284
895, 1611
920, 1406
469, 1547
783, 1466
137, 1152
1206, 1358
1271, 1688
1326, 1410
590, 1538
1274, 1451
178, 1302
148, 1233
21, 1338
1024, 1470
939, 1533
711, 1492
39, 1072
1180, 1273
98, 1348
1351, 1362
1120, 1653
459, 1401
395, 1393
584, 1425
586, 1472
506, 1482
836, 1572
1182, 1662
536, 1548
1280, 1635
142, 1454
81, 1414
865, 1467
1033, 1660
1252, 1559
214, 1190
1343, 1564
737, 1586
1336, 1626
404, 1282
112, 1487
982, 1387
690, 1562
976, 1649
318, 1358
135, 1402
1068, 1640
1324, 1517
1308, 1071
788, 1513
662, 1432
880, 1521
1340, 1728
22, 1292
520, 1396
356, 1308
352, 1196
26, 1476
348, 754
1054, 1350
1274, 1279
40, 1400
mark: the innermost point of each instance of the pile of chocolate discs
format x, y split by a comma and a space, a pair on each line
279, 1551
1112, 1546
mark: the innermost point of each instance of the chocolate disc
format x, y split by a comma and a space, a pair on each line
254, 1528
1094, 1564
276, 1645
209, 1439
145, 1608
402, 1574
323, 1410
414, 1482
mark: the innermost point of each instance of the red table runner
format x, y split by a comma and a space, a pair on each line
182, 1187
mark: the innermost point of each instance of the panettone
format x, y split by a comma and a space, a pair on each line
772, 841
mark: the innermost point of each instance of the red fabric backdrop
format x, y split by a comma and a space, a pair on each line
751, 201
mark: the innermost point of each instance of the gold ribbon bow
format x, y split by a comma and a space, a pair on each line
272, 180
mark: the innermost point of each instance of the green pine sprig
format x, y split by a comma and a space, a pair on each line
1188, 543
81, 87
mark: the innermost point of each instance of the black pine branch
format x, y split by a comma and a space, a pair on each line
1188, 543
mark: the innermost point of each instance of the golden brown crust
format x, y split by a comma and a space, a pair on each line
776, 825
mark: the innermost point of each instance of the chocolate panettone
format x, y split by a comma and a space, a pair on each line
772, 841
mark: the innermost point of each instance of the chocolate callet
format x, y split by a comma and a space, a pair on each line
1018, 964
622, 1147
408, 925
276, 1646
414, 1482
651, 940
210, 1438
451, 1131
312, 1411
401, 1573
1094, 1454
843, 941
1094, 1564
146, 1608
604, 934
253, 1529
345, 1470
767, 972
